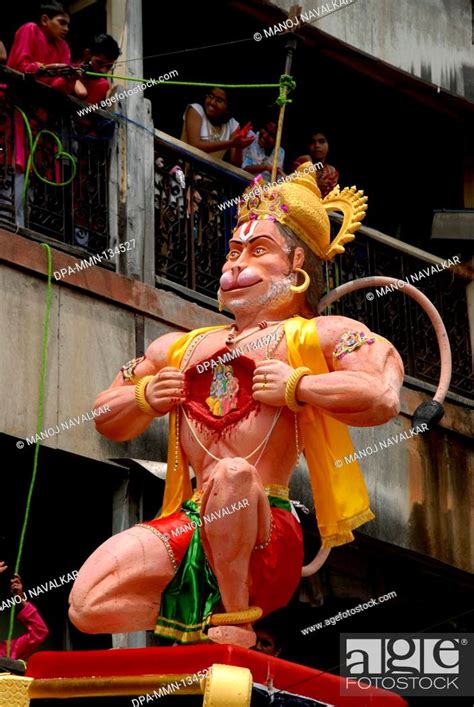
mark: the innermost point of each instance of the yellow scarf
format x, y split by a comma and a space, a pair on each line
340, 495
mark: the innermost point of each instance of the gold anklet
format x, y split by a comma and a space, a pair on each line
253, 613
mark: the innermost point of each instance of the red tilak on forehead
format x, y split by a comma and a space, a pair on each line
247, 229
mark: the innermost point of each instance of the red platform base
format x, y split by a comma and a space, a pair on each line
287, 676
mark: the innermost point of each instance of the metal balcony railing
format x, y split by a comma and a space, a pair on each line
77, 213
191, 231
397, 317
192, 228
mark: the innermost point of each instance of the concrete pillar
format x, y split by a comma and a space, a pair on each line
128, 510
132, 203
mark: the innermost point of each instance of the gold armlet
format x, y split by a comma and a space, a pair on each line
140, 399
291, 385
128, 370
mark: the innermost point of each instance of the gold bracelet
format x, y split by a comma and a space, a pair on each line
140, 399
291, 385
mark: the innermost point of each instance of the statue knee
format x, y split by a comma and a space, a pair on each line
235, 472
80, 615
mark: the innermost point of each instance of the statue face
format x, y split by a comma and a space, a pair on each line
257, 271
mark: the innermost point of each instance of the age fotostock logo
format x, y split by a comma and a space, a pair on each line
428, 664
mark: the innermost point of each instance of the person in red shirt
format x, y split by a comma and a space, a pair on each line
43, 46
100, 57
38, 46
36, 630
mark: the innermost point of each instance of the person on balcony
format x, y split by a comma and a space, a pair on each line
36, 630
100, 58
211, 128
37, 47
326, 177
43, 46
258, 157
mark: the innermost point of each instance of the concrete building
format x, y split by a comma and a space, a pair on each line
105, 314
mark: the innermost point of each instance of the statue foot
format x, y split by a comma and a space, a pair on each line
239, 636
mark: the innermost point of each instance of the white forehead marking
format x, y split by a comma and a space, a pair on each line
246, 230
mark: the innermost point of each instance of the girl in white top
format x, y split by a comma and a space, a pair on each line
211, 129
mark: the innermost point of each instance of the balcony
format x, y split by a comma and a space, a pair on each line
191, 231
192, 226
76, 214
397, 317
191, 234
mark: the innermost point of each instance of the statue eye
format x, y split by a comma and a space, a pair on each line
259, 250
232, 254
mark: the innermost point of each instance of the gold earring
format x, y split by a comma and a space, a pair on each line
307, 281
220, 304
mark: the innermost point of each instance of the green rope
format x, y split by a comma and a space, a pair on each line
33, 144
186, 83
39, 426
287, 83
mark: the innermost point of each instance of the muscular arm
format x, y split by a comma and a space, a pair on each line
363, 387
125, 420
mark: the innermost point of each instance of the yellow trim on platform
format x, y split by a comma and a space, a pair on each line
228, 686
14, 690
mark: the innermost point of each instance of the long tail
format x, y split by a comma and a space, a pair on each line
316, 563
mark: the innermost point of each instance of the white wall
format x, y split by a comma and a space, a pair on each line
431, 39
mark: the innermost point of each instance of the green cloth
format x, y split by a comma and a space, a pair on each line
193, 594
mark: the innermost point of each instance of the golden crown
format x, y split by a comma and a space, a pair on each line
297, 203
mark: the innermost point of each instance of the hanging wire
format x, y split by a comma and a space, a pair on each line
39, 427
185, 51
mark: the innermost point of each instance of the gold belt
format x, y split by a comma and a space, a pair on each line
277, 490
